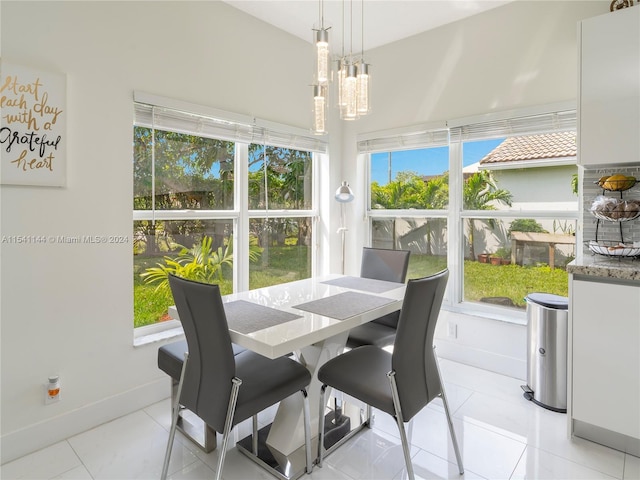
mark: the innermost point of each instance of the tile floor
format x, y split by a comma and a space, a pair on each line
501, 435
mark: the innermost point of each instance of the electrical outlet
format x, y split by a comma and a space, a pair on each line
452, 330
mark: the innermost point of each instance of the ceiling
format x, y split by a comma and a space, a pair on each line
385, 21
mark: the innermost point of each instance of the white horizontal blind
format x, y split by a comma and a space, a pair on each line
405, 141
561, 121
175, 120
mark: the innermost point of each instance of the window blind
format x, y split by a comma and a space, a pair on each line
525, 125
262, 132
405, 141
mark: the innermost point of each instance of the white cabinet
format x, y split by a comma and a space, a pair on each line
605, 361
609, 89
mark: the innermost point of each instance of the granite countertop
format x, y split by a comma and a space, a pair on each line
608, 267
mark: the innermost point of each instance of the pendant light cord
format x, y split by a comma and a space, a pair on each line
362, 33
351, 30
342, 29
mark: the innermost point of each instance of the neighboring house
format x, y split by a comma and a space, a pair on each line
528, 165
523, 165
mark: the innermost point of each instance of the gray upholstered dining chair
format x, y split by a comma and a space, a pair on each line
380, 264
221, 388
399, 383
170, 361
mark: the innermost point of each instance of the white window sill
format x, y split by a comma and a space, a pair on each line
500, 314
157, 333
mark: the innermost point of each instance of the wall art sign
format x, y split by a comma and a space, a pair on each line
33, 127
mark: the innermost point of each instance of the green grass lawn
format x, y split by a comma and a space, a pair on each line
511, 281
289, 263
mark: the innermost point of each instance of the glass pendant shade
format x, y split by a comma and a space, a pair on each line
342, 73
363, 88
319, 110
350, 109
322, 56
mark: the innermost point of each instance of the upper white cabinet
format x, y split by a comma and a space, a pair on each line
609, 89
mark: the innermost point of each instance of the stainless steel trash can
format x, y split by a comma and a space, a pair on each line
547, 324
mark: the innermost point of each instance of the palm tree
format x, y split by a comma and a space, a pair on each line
480, 192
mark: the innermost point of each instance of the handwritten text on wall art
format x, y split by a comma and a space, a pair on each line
33, 135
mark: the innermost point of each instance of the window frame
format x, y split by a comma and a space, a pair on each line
526, 121
249, 130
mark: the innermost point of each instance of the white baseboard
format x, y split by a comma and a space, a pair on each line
509, 366
43, 434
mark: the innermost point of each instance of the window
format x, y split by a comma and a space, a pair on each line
500, 211
409, 196
281, 215
217, 198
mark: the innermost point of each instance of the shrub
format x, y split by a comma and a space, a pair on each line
526, 225
502, 252
201, 263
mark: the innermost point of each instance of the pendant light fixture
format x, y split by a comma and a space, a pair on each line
319, 109
353, 74
321, 74
350, 92
363, 84
354, 80
322, 56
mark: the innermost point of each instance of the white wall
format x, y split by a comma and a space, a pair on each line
519, 55
67, 309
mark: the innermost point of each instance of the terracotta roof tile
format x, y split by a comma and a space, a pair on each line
533, 147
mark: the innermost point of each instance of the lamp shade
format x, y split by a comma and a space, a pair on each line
344, 193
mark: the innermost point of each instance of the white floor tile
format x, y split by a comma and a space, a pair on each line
370, 454
529, 423
161, 413
480, 380
519, 419
44, 464
78, 473
456, 396
537, 464
631, 467
237, 466
484, 452
386, 423
429, 466
130, 447
327, 472
196, 471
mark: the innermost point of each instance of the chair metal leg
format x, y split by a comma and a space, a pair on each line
307, 430
174, 420
400, 421
228, 423
454, 440
254, 436
369, 420
337, 406
323, 390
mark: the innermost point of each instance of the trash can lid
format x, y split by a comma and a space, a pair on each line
549, 300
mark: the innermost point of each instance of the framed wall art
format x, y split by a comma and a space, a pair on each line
33, 127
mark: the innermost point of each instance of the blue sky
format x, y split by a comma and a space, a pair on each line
427, 161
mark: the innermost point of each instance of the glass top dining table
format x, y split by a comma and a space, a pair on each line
310, 318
